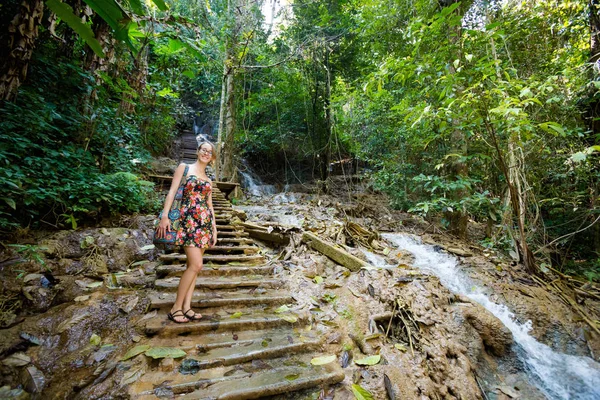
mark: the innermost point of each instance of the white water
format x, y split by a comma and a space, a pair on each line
560, 376
255, 187
376, 260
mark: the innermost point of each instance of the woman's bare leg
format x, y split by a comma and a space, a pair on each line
187, 282
194, 256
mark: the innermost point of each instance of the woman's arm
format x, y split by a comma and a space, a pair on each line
165, 224
214, 219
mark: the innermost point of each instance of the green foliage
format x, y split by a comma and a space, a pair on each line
65, 12
30, 253
60, 165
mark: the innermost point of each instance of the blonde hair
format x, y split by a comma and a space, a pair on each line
214, 150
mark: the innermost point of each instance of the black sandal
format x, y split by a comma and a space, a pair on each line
177, 313
193, 317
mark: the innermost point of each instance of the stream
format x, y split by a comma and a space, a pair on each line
558, 375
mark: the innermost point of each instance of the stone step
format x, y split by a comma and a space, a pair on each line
163, 271
232, 379
232, 300
215, 258
198, 344
232, 234
259, 349
235, 240
251, 319
232, 249
270, 383
222, 208
221, 283
229, 228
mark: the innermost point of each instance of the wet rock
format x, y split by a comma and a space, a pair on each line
459, 251
241, 214
101, 354
310, 268
40, 298
130, 303
334, 337
495, 336
189, 366
133, 279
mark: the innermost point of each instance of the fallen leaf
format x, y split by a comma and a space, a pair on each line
288, 317
95, 340
323, 360
361, 393
400, 347
318, 279
16, 360
292, 377
282, 309
236, 315
135, 351
371, 360
133, 375
65, 325
164, 352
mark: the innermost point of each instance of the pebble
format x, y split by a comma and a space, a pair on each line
167, 364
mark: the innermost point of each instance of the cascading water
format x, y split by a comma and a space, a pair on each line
254, 186
559, 376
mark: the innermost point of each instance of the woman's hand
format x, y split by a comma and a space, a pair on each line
163, 227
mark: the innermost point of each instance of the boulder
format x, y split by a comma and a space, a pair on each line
495, 336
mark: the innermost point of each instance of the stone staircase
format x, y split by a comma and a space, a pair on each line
189, 145
245, 347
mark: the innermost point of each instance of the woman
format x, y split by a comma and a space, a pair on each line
198, 228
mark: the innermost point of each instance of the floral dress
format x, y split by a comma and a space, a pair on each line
196, 228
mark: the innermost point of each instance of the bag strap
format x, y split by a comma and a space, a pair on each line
185, 171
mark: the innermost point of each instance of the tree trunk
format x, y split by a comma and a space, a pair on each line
230, 125
457, 218
221, 127
325, 153
23, 31
593, 110
517, 200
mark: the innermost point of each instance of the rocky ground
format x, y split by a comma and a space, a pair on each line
72, 303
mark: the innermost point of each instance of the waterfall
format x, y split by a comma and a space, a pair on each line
558, 375
252, 184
